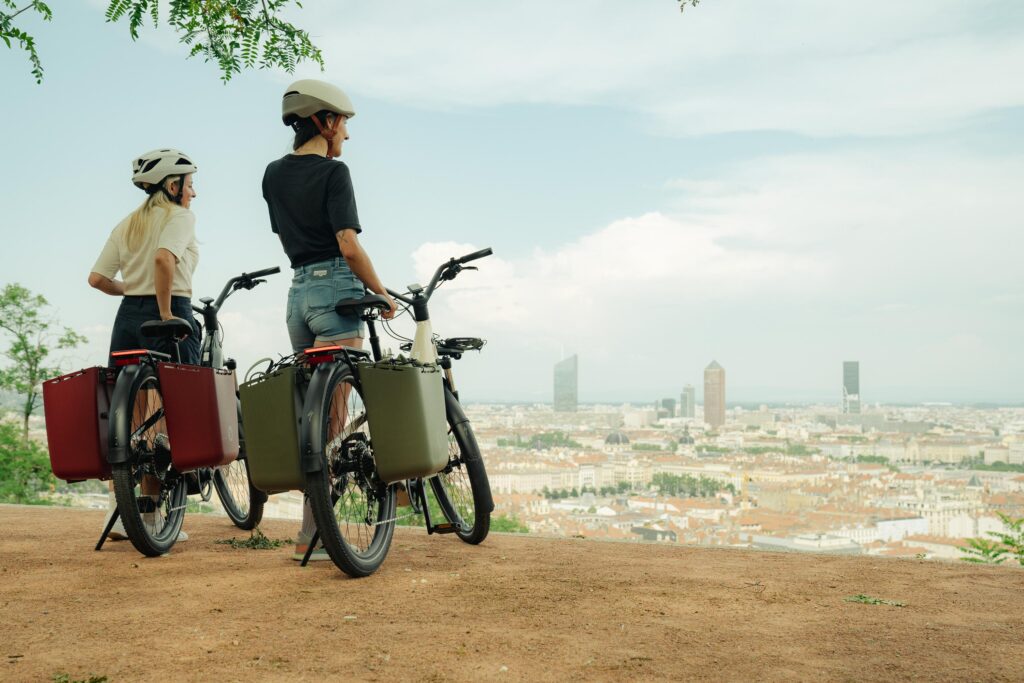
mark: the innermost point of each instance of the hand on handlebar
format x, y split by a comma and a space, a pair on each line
390, 313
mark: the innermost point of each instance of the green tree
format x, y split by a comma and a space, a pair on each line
1006, 544
983, 551
508, 524
32, 338
235, 34
24, 467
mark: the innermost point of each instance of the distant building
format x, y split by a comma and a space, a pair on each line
667, 406
687, 402
566, 383
714, 395
851, 387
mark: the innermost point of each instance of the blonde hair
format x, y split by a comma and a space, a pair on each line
144, 218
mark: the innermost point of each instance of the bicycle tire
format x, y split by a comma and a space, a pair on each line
242, 501
356, 535
462, 489
152, 531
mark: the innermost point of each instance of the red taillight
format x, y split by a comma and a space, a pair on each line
321, 354
132, 357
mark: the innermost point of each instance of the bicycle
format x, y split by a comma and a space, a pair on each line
150, 492
353, 507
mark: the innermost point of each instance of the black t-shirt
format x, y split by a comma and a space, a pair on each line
310, 199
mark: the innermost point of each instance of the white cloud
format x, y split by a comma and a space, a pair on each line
805, 66
781, 267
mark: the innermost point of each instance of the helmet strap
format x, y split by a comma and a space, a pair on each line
176, 198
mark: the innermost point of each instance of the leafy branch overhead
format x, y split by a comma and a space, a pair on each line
238, 34
235, 35
8, 31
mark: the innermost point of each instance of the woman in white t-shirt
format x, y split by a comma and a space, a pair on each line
154, 249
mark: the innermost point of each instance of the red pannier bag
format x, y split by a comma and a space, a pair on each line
202, 415
77, 409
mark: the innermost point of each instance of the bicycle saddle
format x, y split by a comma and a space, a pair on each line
357, 306
175, 328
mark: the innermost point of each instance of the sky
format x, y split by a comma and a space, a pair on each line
778, 186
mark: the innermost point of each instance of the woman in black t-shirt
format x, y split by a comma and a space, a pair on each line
313, 211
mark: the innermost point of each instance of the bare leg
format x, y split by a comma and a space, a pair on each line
337, 423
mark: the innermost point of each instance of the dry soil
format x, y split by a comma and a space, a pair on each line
514, 608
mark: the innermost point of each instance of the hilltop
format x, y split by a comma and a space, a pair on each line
515, 608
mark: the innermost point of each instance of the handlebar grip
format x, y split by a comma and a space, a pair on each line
265, 271
475, 255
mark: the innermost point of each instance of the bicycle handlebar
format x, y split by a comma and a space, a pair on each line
247, 280
264, 272
455, 266
475, 255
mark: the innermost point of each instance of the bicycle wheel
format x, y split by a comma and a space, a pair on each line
150, 493
461, 488
242, 502
354, 510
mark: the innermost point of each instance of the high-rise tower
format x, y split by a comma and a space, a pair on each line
687, 401
566, 382
714, 395
851, 387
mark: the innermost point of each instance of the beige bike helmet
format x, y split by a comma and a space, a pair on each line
304, 98
149, 170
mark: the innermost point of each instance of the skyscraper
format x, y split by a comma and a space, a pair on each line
714, 395
851, 387
687, 401
668, 406
566, 380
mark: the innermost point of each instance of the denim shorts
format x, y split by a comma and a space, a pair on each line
135, 310
315, 289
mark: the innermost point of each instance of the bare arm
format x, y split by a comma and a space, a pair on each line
106, 284
163, 275
359, 261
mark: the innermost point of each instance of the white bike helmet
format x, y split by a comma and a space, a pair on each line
308, 96
150, 169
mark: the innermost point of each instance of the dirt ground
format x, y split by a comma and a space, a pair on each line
514, 608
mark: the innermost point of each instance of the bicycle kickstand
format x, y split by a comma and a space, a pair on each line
106, 529
309, 550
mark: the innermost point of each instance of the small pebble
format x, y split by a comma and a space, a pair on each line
503, 669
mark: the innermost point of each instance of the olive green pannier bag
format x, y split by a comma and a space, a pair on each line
405, 411
271, 410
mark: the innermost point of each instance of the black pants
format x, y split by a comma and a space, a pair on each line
135, 310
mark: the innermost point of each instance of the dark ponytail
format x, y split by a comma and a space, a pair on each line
306, 130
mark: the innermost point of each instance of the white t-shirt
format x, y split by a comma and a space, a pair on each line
177, 235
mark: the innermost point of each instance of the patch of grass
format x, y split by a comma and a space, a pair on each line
257, 541
869, 600
66, 678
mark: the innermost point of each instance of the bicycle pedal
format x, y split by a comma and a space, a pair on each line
446, 528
